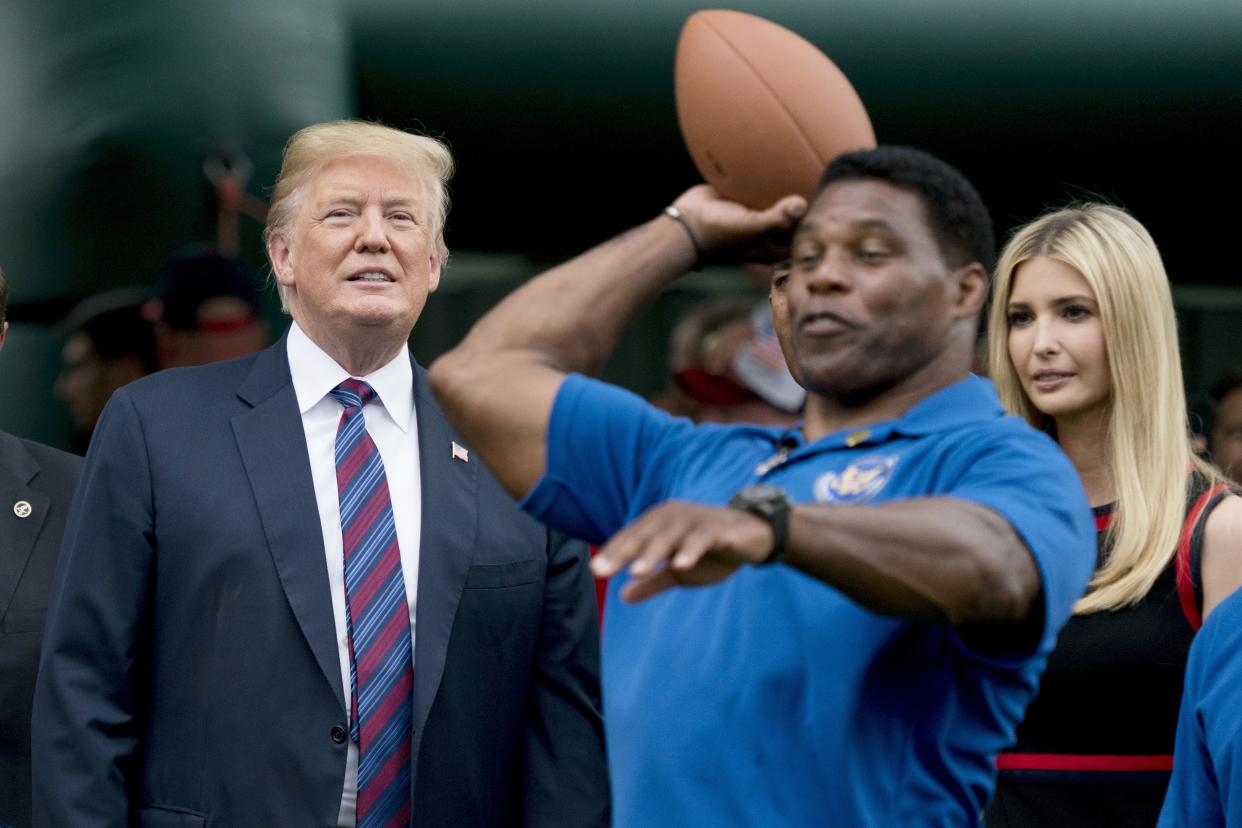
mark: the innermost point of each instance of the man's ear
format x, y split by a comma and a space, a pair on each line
4, 329
433, 279
281, 257
970, 285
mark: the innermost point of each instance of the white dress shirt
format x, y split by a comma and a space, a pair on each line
392, 425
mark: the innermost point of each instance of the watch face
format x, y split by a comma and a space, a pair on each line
763, 497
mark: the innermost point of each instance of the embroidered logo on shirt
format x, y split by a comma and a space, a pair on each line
859, 482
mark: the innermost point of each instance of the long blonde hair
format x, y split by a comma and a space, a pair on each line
1148, 434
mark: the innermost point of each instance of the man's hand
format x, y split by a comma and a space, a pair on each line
731, 233
683, 544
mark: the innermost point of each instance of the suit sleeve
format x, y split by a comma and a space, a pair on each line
566, 774
84, 726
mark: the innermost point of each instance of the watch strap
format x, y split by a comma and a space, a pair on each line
772, 505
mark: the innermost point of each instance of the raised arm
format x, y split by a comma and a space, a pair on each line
498, 385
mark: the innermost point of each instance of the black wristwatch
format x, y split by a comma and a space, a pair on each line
773, 505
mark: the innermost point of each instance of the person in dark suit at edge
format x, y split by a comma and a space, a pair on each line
36, 486
261, 545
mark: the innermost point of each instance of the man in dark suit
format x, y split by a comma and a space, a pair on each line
36, 485
261, 545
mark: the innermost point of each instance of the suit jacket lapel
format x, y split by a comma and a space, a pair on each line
17, 534
273, 449
449, 523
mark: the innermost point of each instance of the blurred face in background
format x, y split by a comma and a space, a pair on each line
711, 389
226, 328
86, 380
1227, 434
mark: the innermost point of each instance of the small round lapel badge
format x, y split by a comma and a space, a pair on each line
22, 509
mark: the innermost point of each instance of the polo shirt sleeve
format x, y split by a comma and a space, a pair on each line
1021, 474
609, 458
1206, 787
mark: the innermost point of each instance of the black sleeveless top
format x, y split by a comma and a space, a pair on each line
1096, 745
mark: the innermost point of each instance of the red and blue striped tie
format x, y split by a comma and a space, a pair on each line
381, 673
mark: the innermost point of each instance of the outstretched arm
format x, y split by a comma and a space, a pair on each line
939, 559
499, 384
1009, 541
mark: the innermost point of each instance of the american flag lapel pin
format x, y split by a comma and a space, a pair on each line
460, 453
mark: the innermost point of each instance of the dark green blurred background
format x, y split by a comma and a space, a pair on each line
562, 118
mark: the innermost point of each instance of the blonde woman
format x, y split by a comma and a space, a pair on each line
1083, 344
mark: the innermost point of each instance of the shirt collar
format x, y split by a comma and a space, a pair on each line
315, 374
971, 400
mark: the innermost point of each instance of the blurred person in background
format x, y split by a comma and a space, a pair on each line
36, 485
1084, 347
206, 309
1226, 442
108, 343
726, 366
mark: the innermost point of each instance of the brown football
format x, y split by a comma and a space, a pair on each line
761, 109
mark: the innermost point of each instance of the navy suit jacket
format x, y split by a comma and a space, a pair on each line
42, 478
190, 672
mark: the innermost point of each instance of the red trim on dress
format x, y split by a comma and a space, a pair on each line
1185, 584
1082, 762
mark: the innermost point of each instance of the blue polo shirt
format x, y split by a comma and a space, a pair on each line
771, 698
1206, 788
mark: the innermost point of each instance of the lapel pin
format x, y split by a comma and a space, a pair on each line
460, 453
22, 509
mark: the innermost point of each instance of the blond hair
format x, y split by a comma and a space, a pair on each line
1148, 434
312, 147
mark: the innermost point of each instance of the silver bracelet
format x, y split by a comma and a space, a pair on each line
676, 215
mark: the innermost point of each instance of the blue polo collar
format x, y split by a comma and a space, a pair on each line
971, 400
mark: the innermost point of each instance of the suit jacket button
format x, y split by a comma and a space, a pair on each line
338, 734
